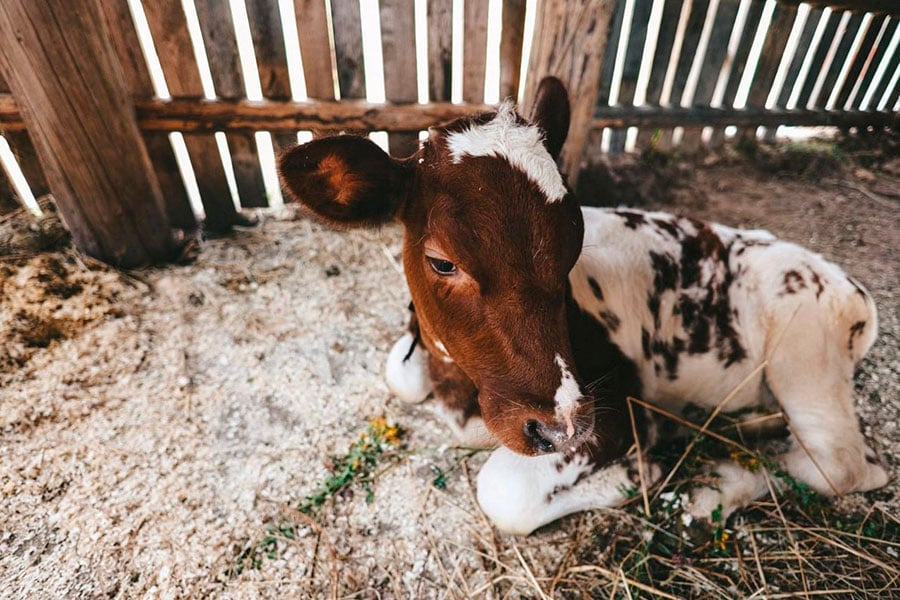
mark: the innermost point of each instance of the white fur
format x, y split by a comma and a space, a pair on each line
522, 145
566, 397
472, 434
408, 379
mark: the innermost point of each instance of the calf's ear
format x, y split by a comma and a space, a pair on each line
345, 180
550, 112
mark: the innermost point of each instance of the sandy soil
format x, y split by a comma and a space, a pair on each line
153, 424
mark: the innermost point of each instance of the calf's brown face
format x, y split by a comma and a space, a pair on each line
491, 234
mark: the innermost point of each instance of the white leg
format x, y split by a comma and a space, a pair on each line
520, 493
407, 374
469, 431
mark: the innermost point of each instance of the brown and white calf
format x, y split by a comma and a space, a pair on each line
535, 318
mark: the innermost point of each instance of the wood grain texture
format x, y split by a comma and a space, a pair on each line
220, 42
475, 21
315, 48
168, 26
440, 50
124, 38
512, 36
570, 42
348, 49
106, 192
398, 47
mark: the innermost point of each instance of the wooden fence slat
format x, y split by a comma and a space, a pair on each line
892, 99
632, 67
815, 68
511, 37
124, 38
716, 53
607, 71
168, 27
569, 42
840, 56
267, 31
668, 27
738, 64
860, 60
690, 42
874, 60
315, 48
348, 49
881, 88
803, 42
220, 41
475, 17
398, 43
440, 50
84, 129
769, 59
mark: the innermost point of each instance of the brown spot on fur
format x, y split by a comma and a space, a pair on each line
595, 288
855, 330
793, 282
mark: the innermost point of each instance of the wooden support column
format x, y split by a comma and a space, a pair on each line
569, 42
58, 60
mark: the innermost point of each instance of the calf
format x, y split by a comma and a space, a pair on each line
535, 318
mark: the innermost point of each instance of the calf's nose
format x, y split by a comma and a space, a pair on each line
545, 438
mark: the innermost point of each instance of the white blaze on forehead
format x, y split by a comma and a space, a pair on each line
567, 395
519, 143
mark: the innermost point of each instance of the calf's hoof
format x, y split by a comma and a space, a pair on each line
407, 370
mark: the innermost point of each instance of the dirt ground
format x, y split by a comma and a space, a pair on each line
153, 424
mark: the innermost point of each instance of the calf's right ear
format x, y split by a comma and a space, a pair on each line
345, 180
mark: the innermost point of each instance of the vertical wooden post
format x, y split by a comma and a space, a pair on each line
569, 42
59, 63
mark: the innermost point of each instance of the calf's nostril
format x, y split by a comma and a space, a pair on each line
533, 432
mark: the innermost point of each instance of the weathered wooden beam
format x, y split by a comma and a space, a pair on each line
197, 116
84, 129
569, 42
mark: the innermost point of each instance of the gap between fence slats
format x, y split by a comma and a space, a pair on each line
398, 43
874, 60
862, 58
818, 58
512, 34
22, 148
631, 67
124, 38
838, 58
803, 47
168, 26
686, 56
220, 41
440, 50
594, 148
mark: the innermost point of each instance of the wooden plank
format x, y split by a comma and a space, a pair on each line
607, 69
315, 48
831, 24
860, 60
711, 68
348, 49
874, 59
168, 26
803, 42
220, 42
440, 50
632, 66
475, 21
689, 46
881, 88
665, 39
398, 47
770, 57
511, 37
739, 62
840, 56
123, 36
267, 31
570, 43
84, 129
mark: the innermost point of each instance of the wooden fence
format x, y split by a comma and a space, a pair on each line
642, 72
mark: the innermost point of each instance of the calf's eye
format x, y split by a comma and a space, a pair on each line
441, 266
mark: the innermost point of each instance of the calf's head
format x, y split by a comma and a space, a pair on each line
491, 233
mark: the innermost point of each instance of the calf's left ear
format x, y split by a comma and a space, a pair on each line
345, 180
551, 113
